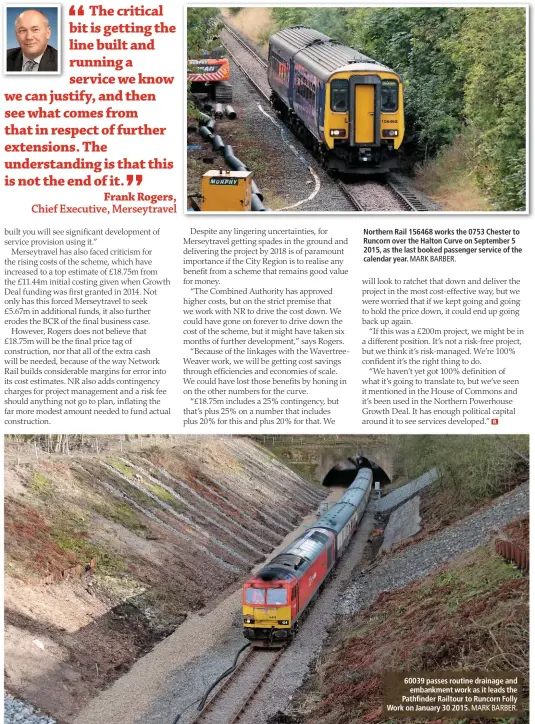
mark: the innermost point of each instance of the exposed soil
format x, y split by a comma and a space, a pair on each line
518, 532
169, 526
476, 616
441, 506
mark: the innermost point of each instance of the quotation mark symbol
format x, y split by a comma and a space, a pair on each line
130, 179
72, 10
494, 421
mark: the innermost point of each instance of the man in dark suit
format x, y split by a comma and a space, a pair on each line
34, 54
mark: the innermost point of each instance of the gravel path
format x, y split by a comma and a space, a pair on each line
421, 558
17, 712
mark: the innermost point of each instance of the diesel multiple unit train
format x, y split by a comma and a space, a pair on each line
346, 107
275, 600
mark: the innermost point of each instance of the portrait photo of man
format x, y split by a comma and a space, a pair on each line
32, 36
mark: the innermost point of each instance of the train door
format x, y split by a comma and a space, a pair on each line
291, 88
320, 108
365, 110
364, 114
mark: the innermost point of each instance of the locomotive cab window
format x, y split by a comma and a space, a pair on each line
339, 96
276, 596
389, 95
255, 595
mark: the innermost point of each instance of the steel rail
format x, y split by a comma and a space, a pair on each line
247, 47
259, 685
247, 75
407, 197
234, 717
210, 703
346, 190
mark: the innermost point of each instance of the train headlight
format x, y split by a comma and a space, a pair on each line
338, 132
390, 132
248, 620
284, 623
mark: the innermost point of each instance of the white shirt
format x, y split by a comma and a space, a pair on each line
35, 60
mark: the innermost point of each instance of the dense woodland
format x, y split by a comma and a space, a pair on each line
464, 73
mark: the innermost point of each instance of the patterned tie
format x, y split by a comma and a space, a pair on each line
30, 66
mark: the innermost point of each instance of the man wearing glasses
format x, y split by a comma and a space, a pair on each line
34, 54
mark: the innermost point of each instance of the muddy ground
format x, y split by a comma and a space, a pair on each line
107, 553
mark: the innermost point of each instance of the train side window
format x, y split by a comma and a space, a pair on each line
389, 95
339, 95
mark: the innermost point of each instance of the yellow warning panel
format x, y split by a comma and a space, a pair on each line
226, 191
364, 113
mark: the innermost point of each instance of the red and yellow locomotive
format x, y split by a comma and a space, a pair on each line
275, 600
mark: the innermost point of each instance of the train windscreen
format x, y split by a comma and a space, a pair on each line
277, 596
255, 595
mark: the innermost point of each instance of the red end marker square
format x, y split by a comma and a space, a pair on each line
494, 421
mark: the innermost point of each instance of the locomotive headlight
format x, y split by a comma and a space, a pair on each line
248, 620
390, 132
338, 132
283, 623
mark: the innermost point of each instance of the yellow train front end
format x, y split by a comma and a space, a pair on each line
363, 119
267, 614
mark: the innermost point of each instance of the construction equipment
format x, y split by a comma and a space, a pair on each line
226, 191
211, 75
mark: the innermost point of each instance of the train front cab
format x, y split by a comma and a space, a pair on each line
268, 612
363, 119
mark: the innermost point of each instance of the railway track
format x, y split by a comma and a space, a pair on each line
390, 195
237, 692
407, 196
260, 82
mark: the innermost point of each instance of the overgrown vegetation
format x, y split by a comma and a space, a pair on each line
464, 73
476, 616
304, 453
474, 469
121, 467
123, 514
202, 36
75, 540
40, 485
449, 177
203, 28
473, 466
